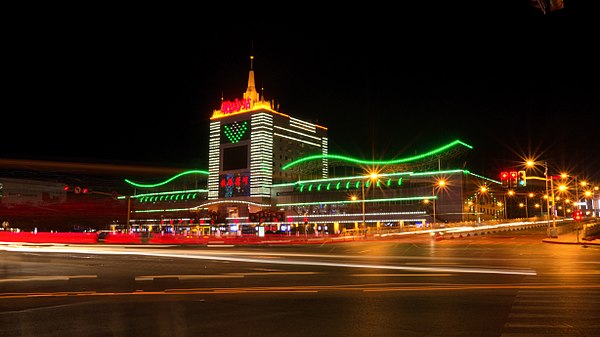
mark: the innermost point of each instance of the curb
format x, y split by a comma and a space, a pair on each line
581, 243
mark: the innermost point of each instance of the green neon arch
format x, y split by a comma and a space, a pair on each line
376, 162
166, 181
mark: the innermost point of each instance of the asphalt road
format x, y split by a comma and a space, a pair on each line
508, 284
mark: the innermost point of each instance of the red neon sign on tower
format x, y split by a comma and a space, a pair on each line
236, 105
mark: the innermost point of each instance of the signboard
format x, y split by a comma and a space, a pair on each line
234, 185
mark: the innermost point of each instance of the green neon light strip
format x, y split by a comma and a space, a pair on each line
166, 181
163, 194
454, 171
339, 179
377, 162
161, 210
484, 178
439, 172
356, 201
197, 207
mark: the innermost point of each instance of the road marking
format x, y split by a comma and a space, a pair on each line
520, 315
225, 275
408, 275
46, 278
184, 277
556, 326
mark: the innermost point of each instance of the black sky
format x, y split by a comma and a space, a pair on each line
139, 87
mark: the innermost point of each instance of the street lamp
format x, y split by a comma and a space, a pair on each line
439, 184
526, 204
510, 194
482, 190
362, 195
551, 231
372, 177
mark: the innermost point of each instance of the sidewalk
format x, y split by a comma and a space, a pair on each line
571, 238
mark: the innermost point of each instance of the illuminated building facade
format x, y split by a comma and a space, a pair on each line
269, 169
250, 142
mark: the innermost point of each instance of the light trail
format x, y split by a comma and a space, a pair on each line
188, 255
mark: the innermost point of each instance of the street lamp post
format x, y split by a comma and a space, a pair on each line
576, 193
371, 177
434, 197
551, 231
482, 190
477, 207
364, 224
505, 208
439, 184
547, 195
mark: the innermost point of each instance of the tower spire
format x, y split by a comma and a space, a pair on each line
251, 90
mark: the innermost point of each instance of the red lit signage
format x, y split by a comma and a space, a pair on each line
228, 107
234, 185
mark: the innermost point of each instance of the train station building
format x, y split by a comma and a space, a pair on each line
269, 171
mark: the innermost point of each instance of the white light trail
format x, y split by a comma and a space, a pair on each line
190, 255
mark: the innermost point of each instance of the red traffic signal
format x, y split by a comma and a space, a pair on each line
577, 215
503, 176
513, 177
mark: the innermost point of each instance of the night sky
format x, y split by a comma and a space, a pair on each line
138, 87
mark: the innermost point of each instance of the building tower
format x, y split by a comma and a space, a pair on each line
249, 142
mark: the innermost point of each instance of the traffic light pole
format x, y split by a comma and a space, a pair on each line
553, 204
551, 231
128, 213
547, 197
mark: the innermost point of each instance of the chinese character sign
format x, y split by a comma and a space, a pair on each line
234, 185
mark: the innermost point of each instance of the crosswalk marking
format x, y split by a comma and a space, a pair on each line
553, 312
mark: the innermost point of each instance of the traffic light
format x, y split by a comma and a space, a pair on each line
513, 178
522, 179
504, 177
577, 215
